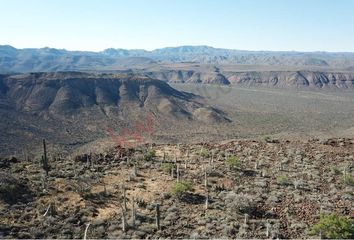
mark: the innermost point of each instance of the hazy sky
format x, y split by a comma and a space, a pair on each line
302, 25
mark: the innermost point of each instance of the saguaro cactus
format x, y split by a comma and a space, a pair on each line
256, 165
124, 199
178, 173
172, 171
44, 181
246, 218
158, 216
135, 170
124, 222
268, 230
45, 163
133, 213
86, 229
207, 201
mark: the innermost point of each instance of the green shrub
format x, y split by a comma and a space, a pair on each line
149, 155
167, 167
204, 153
336, 171
349, 180
334, 227
267, 139
233, 162
282, 180
180, 188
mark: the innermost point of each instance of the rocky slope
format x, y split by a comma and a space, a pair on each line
287, 79
264, 196
62, 94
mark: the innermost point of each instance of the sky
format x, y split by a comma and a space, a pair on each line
94, 25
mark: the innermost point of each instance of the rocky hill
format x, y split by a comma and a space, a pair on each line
79, 107
62, 94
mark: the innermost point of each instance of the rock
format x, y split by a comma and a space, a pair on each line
261, 184
273, 199
139, 234
170, 217
201, 222
24, 235
194, 235
113, 227
98, 222
100, 231
172, 209
115, 234
347, 196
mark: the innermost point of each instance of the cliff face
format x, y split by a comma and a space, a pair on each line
294, 79
288, 79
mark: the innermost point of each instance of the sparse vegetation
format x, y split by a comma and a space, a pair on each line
268, 139
336, 171
227, 195
232, 162
204, 153
240, 203
333, 226
149, 155
167, 167
180, 188
283, 180
348, 180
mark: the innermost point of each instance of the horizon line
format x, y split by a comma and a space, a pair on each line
178, 46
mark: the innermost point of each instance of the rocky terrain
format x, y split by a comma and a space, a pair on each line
237, 189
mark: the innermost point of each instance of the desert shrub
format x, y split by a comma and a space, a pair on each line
204, 153
348, 180
334, 227
283, 180
12, 190
240, 203
149, 155
335, 171
180, 188
233, 162
267, 139
167, 167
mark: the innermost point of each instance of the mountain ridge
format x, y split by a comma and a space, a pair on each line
51, 59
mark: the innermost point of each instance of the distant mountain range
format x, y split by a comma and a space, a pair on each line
50, 59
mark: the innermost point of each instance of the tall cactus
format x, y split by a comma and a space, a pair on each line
124, 222
124, 199
207, 201
158, 216
45, 163
133, 213
178, 173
